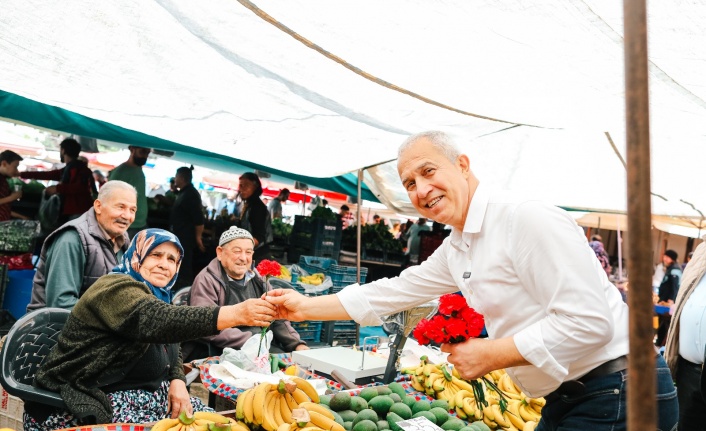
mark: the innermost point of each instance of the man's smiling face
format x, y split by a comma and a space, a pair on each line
437, 187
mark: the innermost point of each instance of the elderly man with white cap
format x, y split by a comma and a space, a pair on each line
229, 280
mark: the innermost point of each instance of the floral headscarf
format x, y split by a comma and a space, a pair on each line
142, 244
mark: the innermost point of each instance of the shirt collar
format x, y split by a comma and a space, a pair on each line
248, 276
474, 217
117, 242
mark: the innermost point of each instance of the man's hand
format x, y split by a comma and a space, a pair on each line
178, 399
302, 347
256, 312
476, 357
289, 302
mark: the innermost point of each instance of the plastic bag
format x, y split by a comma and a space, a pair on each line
247, 358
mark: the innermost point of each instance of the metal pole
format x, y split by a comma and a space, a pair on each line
358, 248
641, 385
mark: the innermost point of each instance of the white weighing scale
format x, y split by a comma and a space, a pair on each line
360, 367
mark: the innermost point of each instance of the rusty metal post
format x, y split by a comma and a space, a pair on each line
641, 377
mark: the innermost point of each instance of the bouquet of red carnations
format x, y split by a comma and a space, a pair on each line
456, 322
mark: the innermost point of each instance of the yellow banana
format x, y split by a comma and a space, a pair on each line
300, 396
248, 409
429, 368
240, 404
284, 427
528, 414
539, 402
310, 428
277, 410
238, 426
488, 413
429, 382
284, 409
211, 416
291, 402
529, 426
178, 427
514, 414
471, 409
462, 384
165, 424
460, 395
268, 414
498, 416
307, 388
258, 402
324, 422
460, 413
491, 424
416, 385
312, 407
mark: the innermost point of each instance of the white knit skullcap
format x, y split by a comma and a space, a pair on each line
234, 233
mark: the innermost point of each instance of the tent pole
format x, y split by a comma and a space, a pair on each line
641, 384
358, 227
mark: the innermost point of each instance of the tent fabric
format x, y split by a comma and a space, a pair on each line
50, 117
223, 84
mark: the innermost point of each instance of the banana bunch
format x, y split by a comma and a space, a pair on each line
311, 417
313, 279
284, 273
270, 405
200, 421
436, 380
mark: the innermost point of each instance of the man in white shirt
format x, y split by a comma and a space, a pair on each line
554, 321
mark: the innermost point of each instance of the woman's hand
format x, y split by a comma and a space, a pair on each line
178, 399
251, 312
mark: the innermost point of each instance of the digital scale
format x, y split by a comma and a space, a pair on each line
360, 367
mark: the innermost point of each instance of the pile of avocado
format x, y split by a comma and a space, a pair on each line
381, 408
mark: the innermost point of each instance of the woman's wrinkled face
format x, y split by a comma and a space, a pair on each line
160, 265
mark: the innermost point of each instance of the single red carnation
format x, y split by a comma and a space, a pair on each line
452, 304
474, 322
457, 330
268, 268
419, 332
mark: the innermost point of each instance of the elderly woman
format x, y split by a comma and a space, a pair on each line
118, 359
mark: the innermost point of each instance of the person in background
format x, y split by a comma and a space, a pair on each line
395, 230
230, 206
554, 320
76, 185
230, 280
413, 239
667, 293
597, 247
131, 172
255, 218
686, 340
346, 216
275, 206
187, 222
99, 178
117, 358
81, 251
377, 219
9, 161
687, 260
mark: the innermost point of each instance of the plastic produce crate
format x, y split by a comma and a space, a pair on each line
309, 330
11, 409
342, 276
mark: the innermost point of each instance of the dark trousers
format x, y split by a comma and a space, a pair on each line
603, 405
692, 408
662, 329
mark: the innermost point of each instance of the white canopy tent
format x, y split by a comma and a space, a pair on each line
324, 88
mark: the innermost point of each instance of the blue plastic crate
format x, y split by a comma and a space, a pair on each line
309, 330
314, 264
342, 276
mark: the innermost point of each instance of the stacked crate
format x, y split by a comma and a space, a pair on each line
314, 237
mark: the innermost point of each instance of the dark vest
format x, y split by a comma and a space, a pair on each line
100, 257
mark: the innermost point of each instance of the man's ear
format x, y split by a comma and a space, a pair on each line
464, 164
97, 206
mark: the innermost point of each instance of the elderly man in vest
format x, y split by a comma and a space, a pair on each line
79, 252
229, 280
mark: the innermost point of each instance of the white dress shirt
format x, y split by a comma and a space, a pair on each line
692, 325
528, 268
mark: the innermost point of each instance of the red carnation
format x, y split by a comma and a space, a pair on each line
268, 268
450, 303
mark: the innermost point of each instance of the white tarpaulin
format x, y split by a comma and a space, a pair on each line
216, 77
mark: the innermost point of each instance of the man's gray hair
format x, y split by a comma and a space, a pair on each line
109, 188
440, 140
